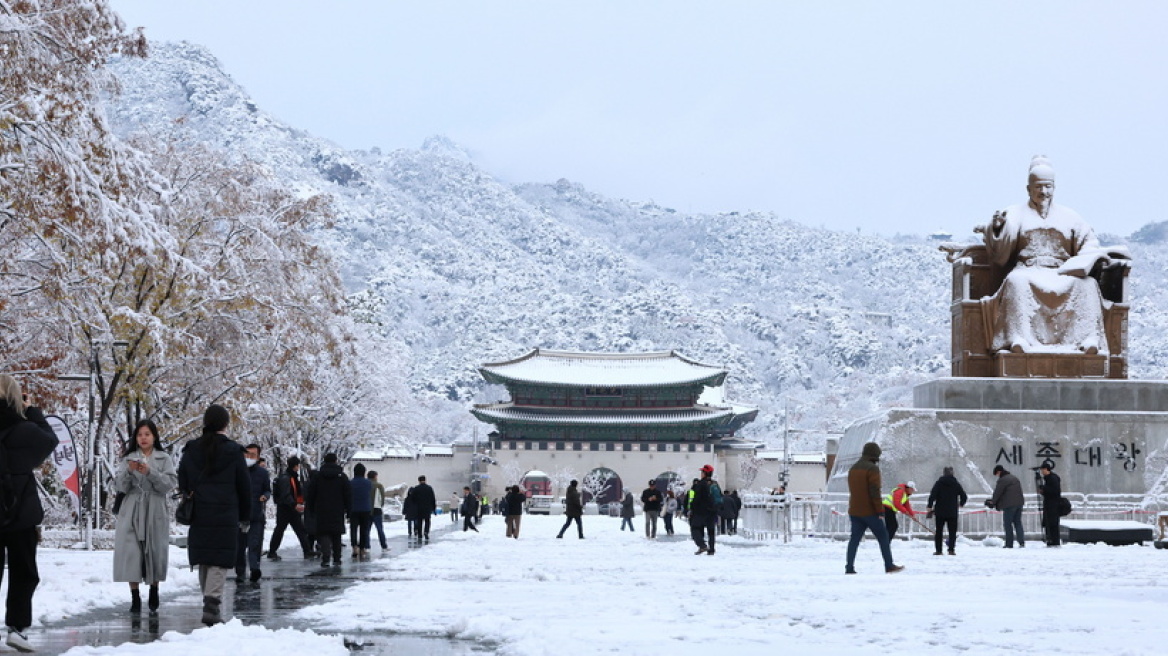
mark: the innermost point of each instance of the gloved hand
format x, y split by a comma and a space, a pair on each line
989, 504
929, 515
244, 527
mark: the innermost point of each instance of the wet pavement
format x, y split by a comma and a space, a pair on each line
286, 586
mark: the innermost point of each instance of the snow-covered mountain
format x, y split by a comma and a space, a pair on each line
462, 268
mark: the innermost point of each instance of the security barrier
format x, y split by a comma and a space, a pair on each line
775, 517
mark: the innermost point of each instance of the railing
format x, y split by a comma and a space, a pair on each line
771, 517
778, 517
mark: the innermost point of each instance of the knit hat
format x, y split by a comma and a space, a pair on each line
998, 469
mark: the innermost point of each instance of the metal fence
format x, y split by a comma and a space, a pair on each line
780, 517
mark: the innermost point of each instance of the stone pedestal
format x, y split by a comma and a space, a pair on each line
1104, 437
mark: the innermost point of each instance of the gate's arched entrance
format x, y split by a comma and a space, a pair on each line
601, 485
536, 482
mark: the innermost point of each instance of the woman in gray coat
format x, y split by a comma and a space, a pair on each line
145, 476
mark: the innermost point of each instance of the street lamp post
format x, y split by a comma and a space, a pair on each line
786, 475
92, 468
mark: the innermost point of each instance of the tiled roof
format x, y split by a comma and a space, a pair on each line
506, 412
572, 369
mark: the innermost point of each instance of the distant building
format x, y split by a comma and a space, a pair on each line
633, 416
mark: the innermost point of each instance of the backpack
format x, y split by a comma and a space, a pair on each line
1064, 506
716, 493
281, 488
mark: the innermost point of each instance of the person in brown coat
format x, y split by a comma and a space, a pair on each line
866, 508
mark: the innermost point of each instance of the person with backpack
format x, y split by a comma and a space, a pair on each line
703, 511
949, 497
27, 441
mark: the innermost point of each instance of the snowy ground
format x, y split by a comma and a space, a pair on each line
617, 593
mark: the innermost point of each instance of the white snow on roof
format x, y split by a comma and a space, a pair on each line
383, 453
437, 450
603, 369
797, 458
508, 412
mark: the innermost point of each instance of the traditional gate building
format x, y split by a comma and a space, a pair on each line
632, 417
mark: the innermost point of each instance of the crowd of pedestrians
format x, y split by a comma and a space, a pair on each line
228, 486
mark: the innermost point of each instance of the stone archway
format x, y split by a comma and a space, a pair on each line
536, 482
670, 480
601, 485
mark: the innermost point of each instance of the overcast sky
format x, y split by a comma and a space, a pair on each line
881, 116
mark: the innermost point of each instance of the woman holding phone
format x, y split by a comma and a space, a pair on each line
146, 475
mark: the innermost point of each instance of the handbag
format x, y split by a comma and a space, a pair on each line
185, 512
118, 502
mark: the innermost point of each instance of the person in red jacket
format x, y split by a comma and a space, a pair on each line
897, 501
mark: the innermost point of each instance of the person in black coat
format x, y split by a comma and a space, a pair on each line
573, 509
329, 498
703, 512
212, 470
27, 441
425, 503
410, 514
513, 513
251, 542
1050, 488
469, 509
288, 493
945, 499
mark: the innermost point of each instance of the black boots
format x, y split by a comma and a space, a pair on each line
135, 601
152, 602
211, 611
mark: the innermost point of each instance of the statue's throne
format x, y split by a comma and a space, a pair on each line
975, 277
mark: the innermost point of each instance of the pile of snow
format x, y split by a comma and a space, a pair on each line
234, 638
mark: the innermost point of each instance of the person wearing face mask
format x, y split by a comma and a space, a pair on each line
251, 542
